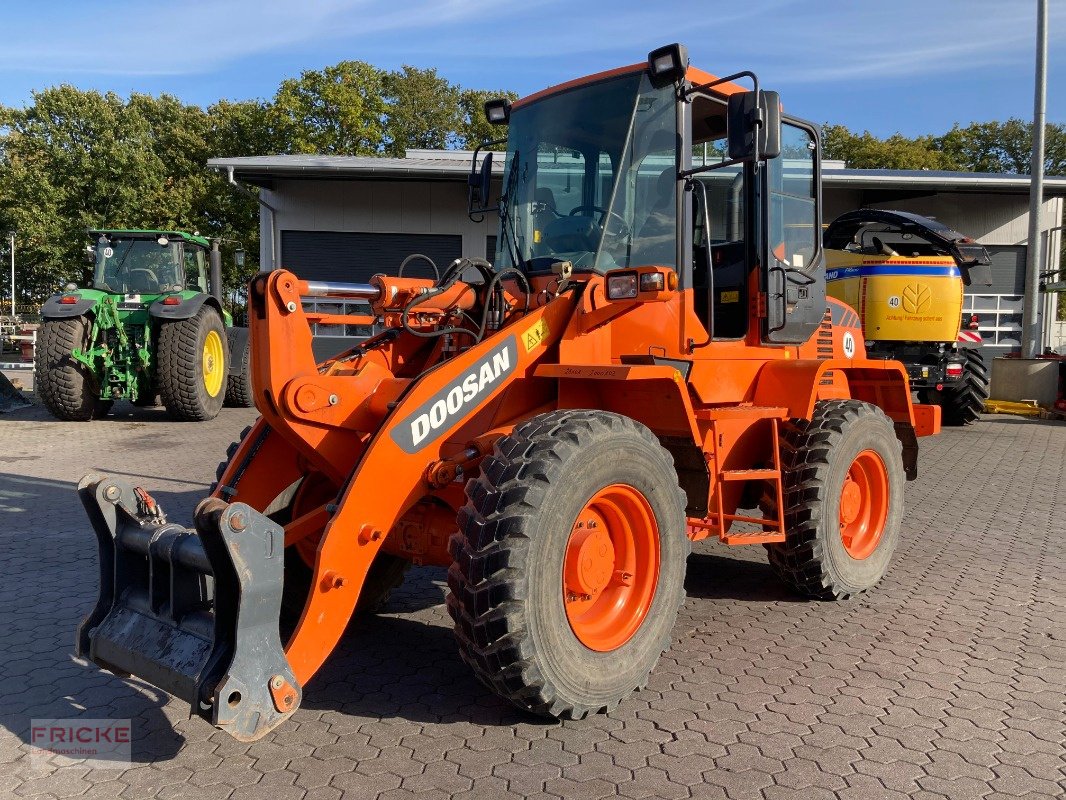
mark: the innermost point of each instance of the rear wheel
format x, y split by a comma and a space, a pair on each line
239, 382
569, 563
843, 489
66, 387
387, 572
193, 362
963, 404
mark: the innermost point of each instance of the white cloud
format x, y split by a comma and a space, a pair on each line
136, 38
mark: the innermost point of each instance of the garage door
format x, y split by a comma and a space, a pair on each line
355, 257
999, 306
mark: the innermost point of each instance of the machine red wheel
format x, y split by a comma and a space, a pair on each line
611, 567
864, 504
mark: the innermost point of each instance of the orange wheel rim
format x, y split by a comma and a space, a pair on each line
611, 567
864, 505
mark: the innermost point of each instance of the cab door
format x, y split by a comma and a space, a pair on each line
793, 272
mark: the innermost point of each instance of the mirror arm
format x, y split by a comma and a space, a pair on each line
688, 173
704, 87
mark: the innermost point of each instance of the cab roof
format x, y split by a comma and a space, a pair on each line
150, 234
692, 75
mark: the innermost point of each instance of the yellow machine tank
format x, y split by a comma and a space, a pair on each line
905, 275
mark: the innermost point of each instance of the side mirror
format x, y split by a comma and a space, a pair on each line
479, 184
754, 125
238, 257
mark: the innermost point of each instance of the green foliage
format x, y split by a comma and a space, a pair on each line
339, 110
978, 147
423, 110
73, 160
473, 128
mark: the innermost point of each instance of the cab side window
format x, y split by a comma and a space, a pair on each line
194, 268
794, 230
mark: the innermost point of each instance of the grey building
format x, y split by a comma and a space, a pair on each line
345, 218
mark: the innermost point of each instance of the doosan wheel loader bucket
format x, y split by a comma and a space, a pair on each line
194, 612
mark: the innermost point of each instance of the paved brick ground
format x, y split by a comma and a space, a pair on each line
945, 681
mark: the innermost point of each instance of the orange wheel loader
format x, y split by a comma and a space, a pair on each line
650, 358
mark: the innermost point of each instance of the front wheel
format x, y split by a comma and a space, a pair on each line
843, 489
569, 563
193, 361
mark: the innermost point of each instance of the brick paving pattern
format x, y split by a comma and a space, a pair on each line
945, 681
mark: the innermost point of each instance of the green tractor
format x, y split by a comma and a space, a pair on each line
149, 325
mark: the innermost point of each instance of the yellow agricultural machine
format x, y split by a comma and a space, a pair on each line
905, 275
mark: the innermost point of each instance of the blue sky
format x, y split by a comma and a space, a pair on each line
914, 66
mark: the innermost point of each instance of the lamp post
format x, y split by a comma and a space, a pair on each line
1034, 262
11, 241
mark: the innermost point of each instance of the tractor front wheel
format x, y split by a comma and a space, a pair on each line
843, 489
193, 361
66, 387
569, 563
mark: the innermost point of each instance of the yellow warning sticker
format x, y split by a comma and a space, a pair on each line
730, 297
536, 334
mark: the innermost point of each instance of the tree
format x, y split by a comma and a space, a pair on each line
339, 110
1003, 147
74, 160
473, 129
866, 151
423, 110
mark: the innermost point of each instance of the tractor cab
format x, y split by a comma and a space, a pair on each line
147, 262
673, 169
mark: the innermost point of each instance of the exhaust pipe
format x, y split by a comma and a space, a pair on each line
214, 260
194, 612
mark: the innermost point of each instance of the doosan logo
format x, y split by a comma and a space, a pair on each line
457, 399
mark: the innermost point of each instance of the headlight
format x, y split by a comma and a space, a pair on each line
652, 282
622, 287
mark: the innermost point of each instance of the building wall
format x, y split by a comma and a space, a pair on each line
374, 207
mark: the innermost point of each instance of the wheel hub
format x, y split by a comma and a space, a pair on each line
850, 501
589, 559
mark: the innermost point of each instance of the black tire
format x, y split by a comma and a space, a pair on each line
180, 360
239, 382
816, 456
963, 405
67, 387
386, 573
505, 587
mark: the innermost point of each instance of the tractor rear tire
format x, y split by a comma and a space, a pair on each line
843, 490
239, 383
66, 387
963, 405
573, 501
192, 359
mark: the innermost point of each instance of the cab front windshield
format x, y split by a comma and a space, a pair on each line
128, 265
591, 177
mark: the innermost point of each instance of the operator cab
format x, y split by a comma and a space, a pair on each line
136, 262
628, 169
